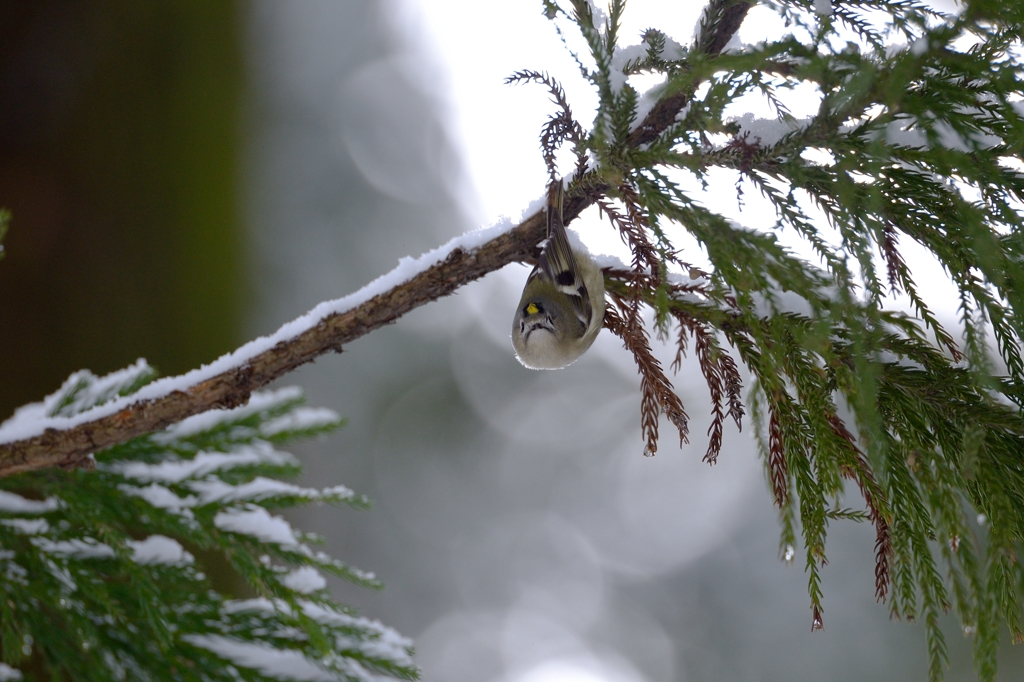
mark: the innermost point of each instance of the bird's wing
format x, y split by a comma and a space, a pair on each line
558, 263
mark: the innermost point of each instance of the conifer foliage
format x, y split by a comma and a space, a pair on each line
917, 137
99, 583
855, 387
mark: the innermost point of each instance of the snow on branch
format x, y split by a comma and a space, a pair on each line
38, 437
32, 439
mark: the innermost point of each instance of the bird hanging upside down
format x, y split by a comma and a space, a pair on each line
562, 307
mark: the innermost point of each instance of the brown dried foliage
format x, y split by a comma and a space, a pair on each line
713, 377
894, 262
632, 226
733, 388
743, 152
719, 369
872, 494
722, 378
817, 623
560, 127
777, 466
644, 254
657, 394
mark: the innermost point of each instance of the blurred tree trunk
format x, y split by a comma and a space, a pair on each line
119, 150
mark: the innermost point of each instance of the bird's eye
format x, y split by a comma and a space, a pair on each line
532, 309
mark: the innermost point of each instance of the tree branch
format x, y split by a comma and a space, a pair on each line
71, 447
721, 19
68, 448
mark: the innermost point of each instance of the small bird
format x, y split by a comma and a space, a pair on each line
562, 307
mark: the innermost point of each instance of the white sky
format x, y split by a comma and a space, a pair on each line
475, 63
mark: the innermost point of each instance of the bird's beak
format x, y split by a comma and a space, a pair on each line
536, 325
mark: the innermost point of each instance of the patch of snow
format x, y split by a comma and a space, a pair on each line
257, 522
204, 463
626, 54
818, 156
616, 79
15, 573
648, 98
211, 419
303, 418
8, 673
260, 488
12, 503
63, 575
767, 131
304, 579
159, 549
604, 260
86, 548
860, 178
907, 131
27, 526
87, 390
160, 497
673, 50
384, 642
387, 643
95, 390
31, 420
282, 664
341, 491
261, 604
735, 45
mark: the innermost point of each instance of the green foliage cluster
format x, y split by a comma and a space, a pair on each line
918, 138
857, 387
98, 576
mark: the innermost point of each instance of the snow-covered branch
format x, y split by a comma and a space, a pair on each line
33, 439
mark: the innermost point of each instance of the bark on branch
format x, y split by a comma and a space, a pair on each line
71, 447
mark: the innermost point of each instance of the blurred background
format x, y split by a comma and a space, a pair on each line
186, 176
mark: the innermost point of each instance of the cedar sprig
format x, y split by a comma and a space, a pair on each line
561, 126
733, 388
894, 262
720, 370
657, 394
86, 600
778, 472
918, 137
708, 361
645, 254
644, 266
872, 493
720, 374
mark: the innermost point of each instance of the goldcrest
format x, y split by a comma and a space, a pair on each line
562, 307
